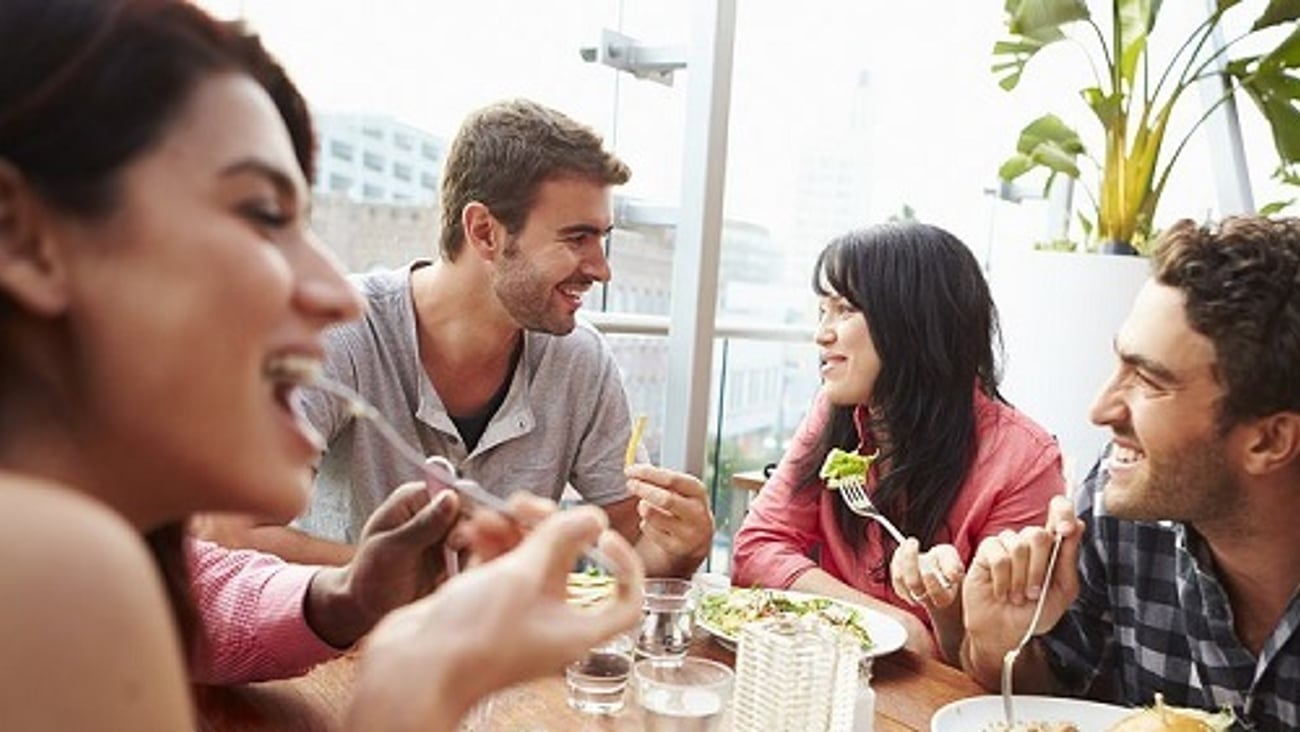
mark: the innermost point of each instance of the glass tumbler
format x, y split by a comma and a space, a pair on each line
667, 620
595, 683
693, 695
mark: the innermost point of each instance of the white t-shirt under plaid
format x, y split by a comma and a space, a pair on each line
1152, 616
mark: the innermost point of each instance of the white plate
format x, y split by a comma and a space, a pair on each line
887, 634
978, 712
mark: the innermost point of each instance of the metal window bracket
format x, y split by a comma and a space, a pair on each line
652, 63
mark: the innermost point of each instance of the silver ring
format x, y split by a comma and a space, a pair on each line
918, 599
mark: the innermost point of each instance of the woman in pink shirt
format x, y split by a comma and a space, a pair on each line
908, 336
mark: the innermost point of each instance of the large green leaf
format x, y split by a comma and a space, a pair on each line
1287, 53
1275, 207
1274, 85
1033, 25
1135, 18
1017, 52
1277, 12
1056, 159
1031, 17
1049, 129
1046, 142
1015, 166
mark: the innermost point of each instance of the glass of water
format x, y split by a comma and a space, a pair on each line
667, 620
691, 696
595, 683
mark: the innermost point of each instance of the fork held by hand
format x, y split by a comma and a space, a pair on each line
1009, 660
856, 498
437, 469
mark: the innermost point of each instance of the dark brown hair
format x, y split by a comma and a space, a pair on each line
504, 152
935, 329
1241, 281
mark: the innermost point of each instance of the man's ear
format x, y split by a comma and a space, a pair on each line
483, 232
1273, 442
32, 270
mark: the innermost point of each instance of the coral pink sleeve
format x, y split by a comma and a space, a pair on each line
250, 609
782, 528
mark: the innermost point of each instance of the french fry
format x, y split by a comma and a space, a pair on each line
638, 427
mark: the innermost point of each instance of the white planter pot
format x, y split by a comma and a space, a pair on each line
1060, 312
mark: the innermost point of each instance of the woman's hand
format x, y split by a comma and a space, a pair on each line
931, 579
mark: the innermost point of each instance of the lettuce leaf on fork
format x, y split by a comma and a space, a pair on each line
845, 468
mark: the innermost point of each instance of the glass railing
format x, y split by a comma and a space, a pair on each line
763, 381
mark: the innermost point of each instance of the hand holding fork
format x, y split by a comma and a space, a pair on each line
1020, 584
855, 497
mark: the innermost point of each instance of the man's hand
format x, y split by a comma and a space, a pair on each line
676, 523
1005, 579
398, 559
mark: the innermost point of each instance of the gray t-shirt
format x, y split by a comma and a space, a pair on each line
565, 418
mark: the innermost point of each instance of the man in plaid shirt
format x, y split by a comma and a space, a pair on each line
1180, 574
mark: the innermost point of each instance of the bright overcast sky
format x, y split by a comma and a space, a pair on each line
939, 124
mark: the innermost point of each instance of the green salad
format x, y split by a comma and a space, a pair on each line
843, 468
729, 611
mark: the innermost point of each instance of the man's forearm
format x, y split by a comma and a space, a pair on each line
296, 546
292, 545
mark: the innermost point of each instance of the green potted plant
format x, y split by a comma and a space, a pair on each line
1134, 94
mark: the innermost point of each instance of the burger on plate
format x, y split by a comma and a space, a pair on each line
1161, 717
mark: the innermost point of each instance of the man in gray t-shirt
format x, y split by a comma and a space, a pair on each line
562, 415
478, 356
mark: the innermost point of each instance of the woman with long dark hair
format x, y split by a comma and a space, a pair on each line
156, 272
909, 341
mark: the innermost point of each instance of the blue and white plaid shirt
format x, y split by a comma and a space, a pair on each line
1151, 617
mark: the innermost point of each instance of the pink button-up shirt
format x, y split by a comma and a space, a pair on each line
251, 615
1016, 471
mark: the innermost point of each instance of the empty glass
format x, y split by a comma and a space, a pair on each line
667, 620
596, 682
692, 695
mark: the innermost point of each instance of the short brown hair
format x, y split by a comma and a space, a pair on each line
1241, 281
504, 152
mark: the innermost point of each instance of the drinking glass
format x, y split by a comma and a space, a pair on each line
595, 683
667, 620
690, 696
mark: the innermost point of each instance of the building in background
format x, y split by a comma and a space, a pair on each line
368, 236
376, 159
375, 198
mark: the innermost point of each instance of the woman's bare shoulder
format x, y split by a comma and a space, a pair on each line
44, 524
87, 631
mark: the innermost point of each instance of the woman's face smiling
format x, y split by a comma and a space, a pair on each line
203, 274
850, 364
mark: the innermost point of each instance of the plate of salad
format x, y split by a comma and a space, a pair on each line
723, 614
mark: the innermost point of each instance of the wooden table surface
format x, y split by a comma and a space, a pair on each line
748, 480
909, 689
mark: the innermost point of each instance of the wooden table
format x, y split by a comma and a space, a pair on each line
908, 688
748, 480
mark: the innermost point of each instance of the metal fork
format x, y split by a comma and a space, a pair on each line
1009, 660
437, 470
855, 497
